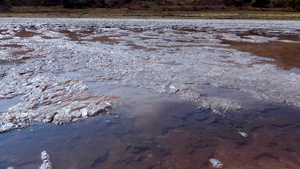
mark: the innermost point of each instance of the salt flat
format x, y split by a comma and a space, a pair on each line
50, 63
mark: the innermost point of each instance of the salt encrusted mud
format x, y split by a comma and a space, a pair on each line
50, 61
58, 100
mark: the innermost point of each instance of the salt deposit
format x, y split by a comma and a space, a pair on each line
216, 163
46, 161
58, 57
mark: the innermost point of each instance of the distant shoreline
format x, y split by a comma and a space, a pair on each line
59, 12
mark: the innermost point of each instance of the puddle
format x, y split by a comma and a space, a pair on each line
81, 35
106, 39
26, 34
7, 103
72, 35
170, 63
160, 131
10, 62
147, 38
138, 47
12, 46
21, 52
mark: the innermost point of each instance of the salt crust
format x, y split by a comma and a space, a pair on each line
163, 55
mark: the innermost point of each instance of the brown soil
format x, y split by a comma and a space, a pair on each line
286, 55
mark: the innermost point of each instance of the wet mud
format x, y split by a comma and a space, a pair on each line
285, 51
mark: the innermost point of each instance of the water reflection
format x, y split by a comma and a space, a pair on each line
156, 131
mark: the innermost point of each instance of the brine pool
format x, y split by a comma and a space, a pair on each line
149, 93
158, 131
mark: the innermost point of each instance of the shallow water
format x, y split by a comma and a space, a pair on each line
7, 103
131, 90
160, 131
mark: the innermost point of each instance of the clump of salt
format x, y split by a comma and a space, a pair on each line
216, 163
243, 134
46, 161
